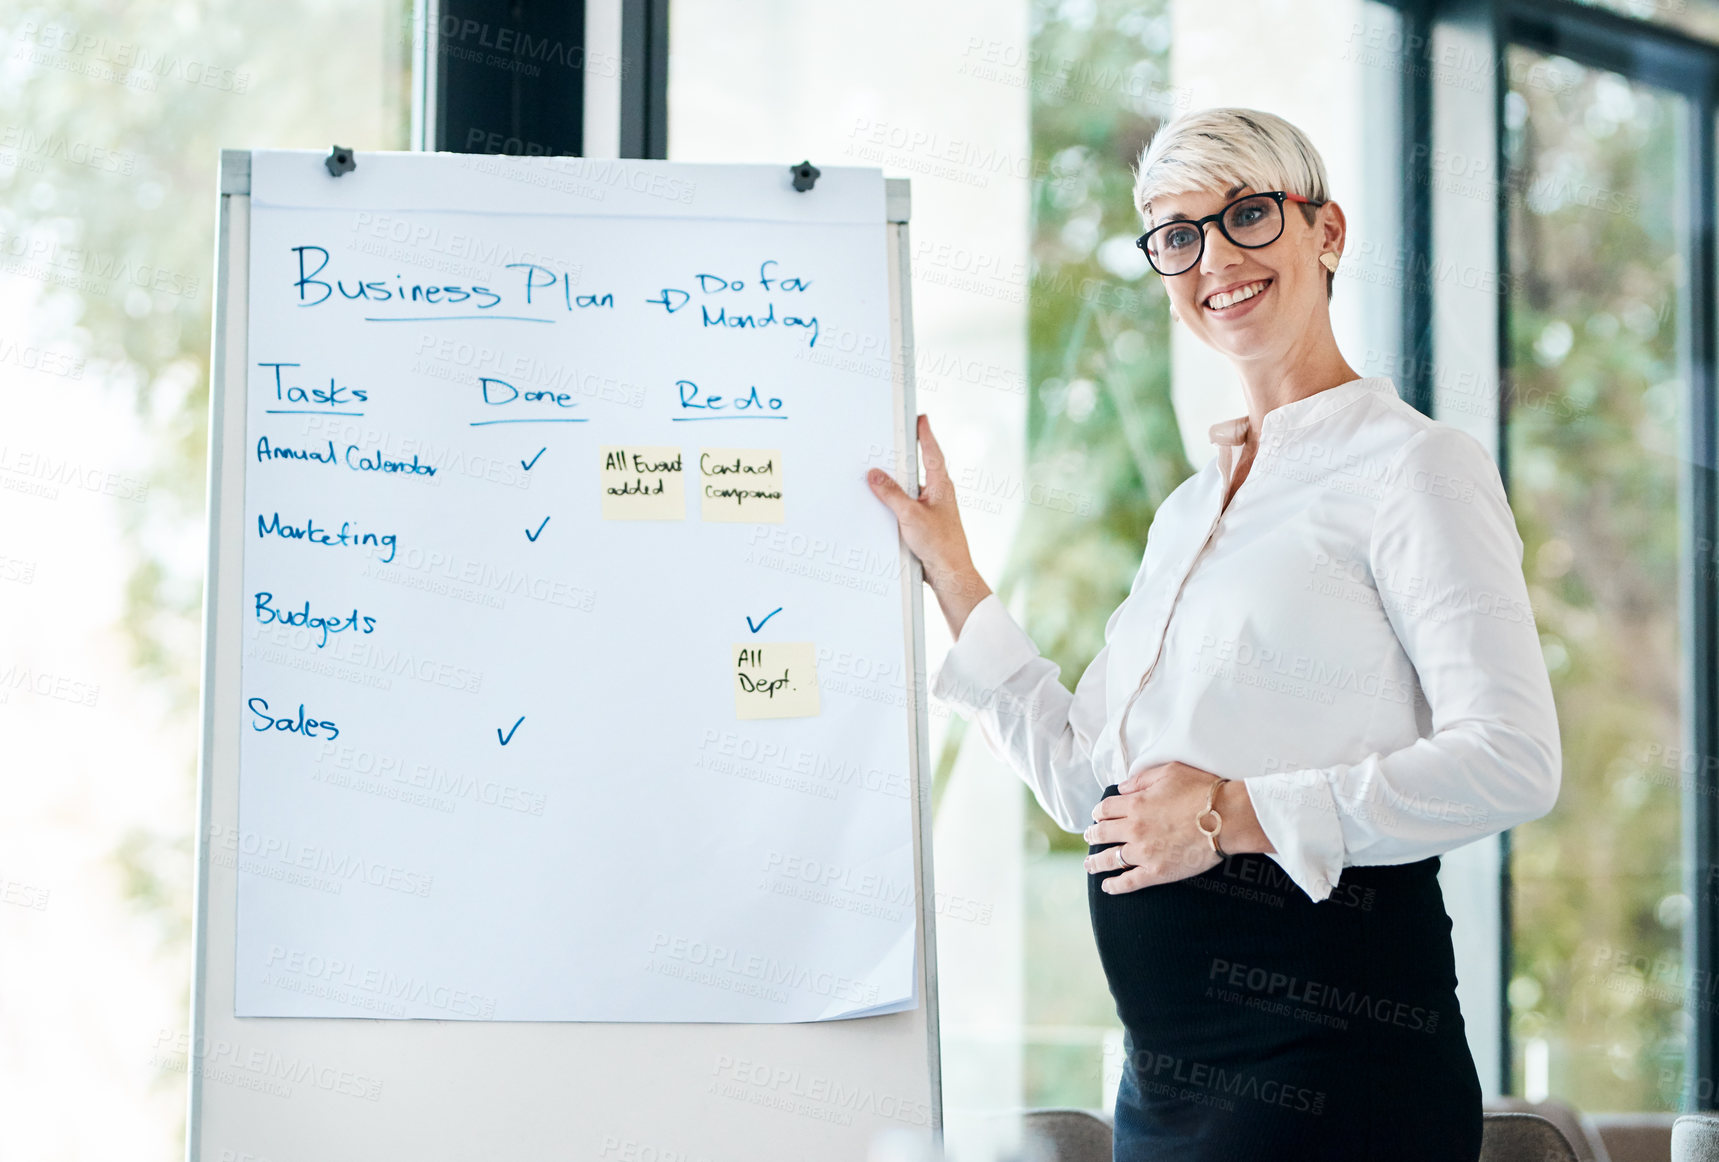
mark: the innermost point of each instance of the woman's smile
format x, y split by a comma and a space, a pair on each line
1235, 301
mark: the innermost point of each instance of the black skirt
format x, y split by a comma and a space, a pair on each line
1259, 1024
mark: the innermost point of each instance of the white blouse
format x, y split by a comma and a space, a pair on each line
1351, 636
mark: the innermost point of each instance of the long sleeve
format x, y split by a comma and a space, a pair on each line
1447, 562
995, 676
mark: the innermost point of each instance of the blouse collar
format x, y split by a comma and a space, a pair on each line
1231, 434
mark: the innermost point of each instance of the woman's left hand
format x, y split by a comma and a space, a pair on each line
1152, 817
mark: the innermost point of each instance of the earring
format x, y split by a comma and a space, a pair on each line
1329, 259
1174, 317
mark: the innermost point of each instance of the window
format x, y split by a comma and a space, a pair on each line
1046, 361
1596, 341
114, 115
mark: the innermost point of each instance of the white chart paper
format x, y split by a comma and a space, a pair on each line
575, 657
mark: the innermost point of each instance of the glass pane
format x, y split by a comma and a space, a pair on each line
1044, 359
1101, 428
1698, 18
111, 118
1592, 444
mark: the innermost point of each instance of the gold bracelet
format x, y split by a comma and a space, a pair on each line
1199, 820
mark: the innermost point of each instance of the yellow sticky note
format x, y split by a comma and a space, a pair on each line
740, 484
642, 483
775, 680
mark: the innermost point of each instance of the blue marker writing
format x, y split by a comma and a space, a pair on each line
267, 614
262, 720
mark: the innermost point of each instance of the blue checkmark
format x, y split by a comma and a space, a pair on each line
767, 617
539, 532
534, 459
508, 737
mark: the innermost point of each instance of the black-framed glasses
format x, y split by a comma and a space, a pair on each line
1250, 222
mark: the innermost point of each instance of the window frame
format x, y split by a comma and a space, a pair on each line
1671, 60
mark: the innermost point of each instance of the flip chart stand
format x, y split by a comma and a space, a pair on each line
439, 1089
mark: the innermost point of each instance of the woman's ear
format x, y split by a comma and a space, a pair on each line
1331, 227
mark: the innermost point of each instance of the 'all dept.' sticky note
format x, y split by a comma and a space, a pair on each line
642, 483
740, 484
775, 680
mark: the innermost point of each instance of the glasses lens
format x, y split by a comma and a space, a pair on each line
1254, 221
1173, 247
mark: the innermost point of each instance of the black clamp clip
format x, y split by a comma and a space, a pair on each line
340, 161
805, 175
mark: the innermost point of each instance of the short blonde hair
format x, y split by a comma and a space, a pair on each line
1226, 146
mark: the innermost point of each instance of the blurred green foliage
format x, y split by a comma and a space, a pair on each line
1100, 423
1103, 451
112, 118
1595, 416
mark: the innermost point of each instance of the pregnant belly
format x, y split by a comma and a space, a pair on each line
1238, 962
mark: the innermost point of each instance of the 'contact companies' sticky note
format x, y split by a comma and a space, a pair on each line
642, 483
740, 484
775, 680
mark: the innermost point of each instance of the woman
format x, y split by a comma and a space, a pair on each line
1325, 675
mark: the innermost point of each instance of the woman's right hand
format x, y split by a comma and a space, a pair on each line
931, 526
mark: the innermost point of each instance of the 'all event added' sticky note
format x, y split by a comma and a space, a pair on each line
642, 483
740, 484
775, 680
